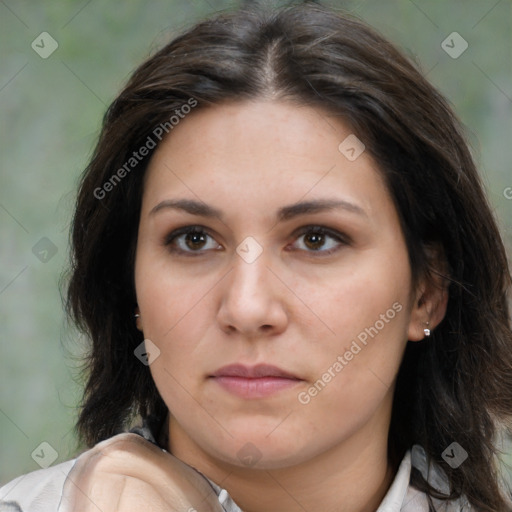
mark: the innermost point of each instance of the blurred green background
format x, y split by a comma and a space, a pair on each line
51, 109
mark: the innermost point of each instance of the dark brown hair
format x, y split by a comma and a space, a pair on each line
458, 386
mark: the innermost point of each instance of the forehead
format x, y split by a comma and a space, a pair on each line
257, 154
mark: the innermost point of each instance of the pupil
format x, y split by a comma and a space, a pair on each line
195, 240
315, 240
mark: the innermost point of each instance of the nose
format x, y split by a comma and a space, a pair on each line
253, 300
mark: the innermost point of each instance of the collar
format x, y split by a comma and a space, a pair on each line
401, 496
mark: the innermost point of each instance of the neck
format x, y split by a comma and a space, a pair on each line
353, 476
359, 484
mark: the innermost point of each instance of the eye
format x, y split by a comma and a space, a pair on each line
319, 239
190, 239
194, 240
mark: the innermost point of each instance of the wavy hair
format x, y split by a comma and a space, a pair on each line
458, 386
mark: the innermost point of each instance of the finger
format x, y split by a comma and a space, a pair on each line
92, 484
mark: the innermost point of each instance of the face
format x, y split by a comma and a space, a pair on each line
262, 243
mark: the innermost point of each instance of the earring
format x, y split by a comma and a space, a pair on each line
427, 330
136, 315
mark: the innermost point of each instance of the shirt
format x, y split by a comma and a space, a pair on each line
41, 491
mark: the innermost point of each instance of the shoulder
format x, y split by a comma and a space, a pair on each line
39, 491
404, 497
436, 477
51, 489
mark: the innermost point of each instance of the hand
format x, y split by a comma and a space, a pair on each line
126, 473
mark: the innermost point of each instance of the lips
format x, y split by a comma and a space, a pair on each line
254, 382
253, 372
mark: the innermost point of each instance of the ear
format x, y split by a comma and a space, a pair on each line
430, 297
138, 319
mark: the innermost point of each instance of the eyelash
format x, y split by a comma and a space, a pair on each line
342, 239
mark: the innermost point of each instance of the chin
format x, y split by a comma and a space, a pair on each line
261, 450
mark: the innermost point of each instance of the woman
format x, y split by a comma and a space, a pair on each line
288, 269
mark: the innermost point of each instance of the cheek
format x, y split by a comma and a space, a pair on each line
169, 300
366, 312
170, 307
175, 317
358, 294
353, 370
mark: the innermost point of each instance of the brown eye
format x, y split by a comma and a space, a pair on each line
314, 241
195, 240
191, 240
320, 240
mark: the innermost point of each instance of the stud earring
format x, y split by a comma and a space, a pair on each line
427, 330
136, 315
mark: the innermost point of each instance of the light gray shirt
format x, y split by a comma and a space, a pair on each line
42, 491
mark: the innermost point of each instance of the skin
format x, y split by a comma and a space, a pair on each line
126, 473
293, 307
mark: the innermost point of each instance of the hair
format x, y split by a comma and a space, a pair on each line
455, 387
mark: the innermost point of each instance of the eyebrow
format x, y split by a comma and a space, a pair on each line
283, 214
